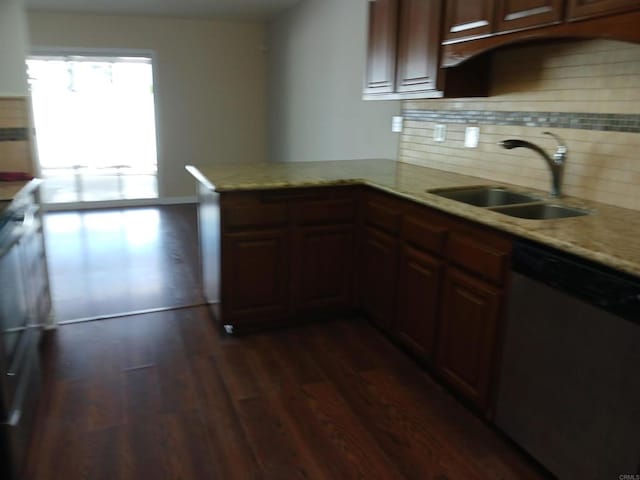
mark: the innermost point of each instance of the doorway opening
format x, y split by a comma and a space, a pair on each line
95, 128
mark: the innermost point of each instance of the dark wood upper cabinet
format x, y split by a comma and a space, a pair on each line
519, 14
470, 35
381, 47
467, 335
418, 45
578, 9
464, 18
403, 58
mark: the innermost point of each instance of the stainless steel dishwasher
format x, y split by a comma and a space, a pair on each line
569, 390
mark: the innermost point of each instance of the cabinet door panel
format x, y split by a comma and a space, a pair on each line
464, 18
418, 301
378, 277
519, 14
467, 335
381, 49
324, 267
578, 9
255, 272
418, 45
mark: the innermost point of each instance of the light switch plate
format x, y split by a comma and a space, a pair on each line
397, 124
471, 137
440, 133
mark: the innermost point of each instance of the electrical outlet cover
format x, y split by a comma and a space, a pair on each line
471, 137
397, 124
440, 133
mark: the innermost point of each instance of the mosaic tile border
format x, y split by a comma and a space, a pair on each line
13, 134
611, 122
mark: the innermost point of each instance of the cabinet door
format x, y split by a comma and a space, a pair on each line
255, 276
519, 14
418, 301
381, 49
464, 18
578, 9
418, 45
467, 335
378, 276
324, 267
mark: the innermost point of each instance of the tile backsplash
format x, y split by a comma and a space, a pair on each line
15, 146
587, 91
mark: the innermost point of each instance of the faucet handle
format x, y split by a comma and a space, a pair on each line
561, 150
562, 147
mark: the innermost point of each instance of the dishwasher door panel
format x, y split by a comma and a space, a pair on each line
14, 314
570, 388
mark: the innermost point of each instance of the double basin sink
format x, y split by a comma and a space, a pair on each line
508, 202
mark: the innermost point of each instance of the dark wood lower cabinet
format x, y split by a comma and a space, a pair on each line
466, 342
255, 276
378, 273
419, 292
324, 267
434, 283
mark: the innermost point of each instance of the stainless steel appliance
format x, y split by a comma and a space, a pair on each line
569, 390
20, 333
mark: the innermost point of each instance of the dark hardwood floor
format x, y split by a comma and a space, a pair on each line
167, 396
112, 261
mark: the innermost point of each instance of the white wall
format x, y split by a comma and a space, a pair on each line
13, 48
210, 83
315, 74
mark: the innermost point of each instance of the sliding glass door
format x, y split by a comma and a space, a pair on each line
95, 127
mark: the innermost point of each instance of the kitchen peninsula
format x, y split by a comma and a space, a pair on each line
491, 304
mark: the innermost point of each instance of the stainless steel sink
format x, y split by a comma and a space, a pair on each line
485, 196
541, 211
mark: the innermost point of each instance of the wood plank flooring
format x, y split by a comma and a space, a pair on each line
112, 261
167, 396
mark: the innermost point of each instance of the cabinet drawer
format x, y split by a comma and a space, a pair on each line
475, 255
325, 212
254, 215
382, 216
422, 234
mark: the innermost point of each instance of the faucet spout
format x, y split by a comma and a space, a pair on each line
555, 163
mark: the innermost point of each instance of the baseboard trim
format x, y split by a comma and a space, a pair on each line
145, 202
130, 314
177, 200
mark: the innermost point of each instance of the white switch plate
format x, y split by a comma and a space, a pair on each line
397, 124
440, 133
471, 137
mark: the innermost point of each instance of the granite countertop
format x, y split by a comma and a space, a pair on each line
8, 190
610, 235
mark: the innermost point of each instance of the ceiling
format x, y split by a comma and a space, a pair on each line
252, 9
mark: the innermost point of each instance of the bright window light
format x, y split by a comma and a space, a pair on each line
95, 127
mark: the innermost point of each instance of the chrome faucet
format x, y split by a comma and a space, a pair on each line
556, 163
